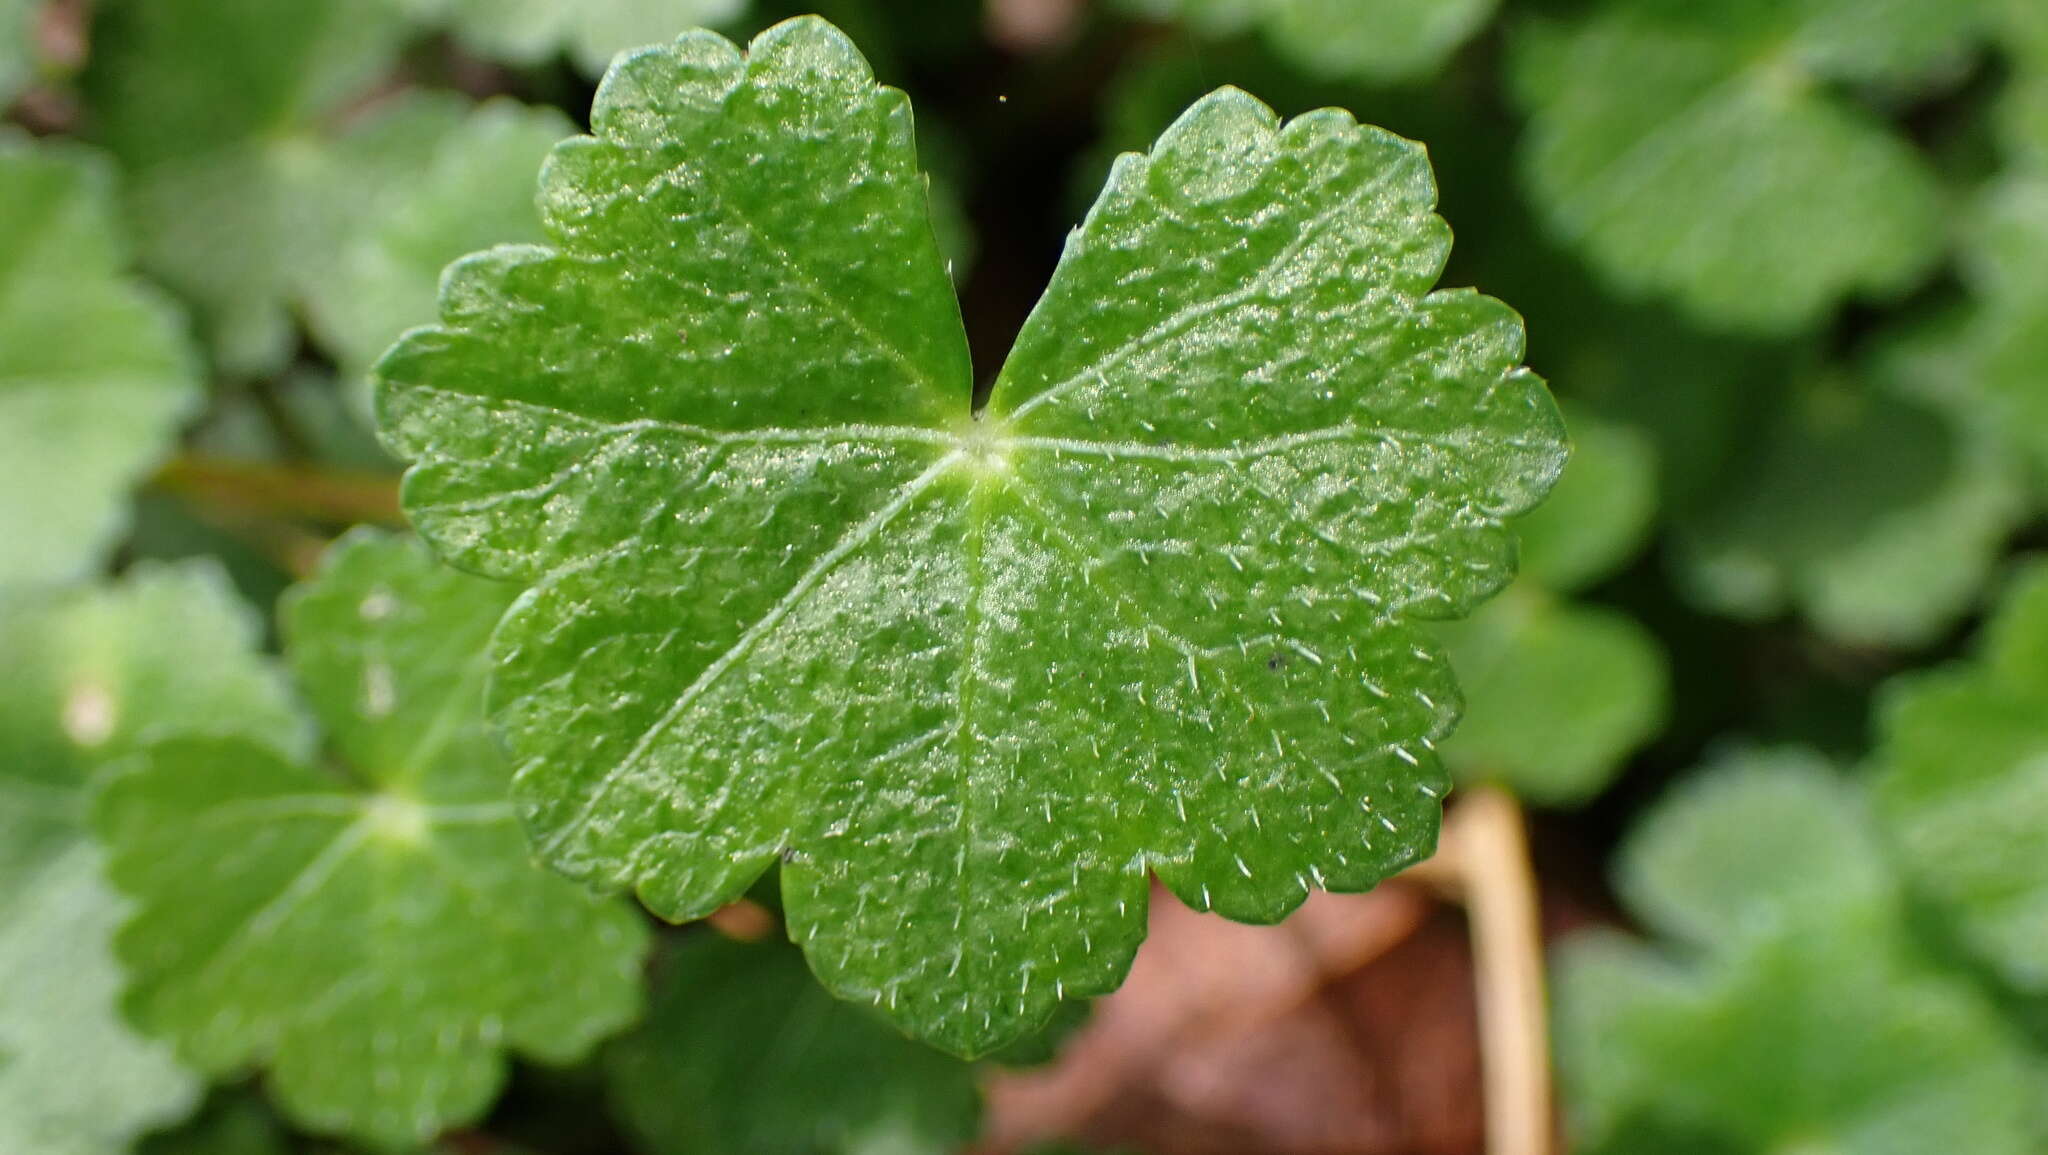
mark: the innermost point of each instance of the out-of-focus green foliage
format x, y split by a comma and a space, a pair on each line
95, 373
1695, 150
1868, 509
225, 113
92, 676
470, 184
1964, 786
1367, 40
743, 1052
379, 936
590, 31
1798, 1015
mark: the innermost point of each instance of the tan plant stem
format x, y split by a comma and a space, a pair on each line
1488, 850
334, 498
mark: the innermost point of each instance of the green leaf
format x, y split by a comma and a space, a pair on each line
1557, 695
379, 937
1873, 512
222, 111
90, 675
1828, 1040
1964, 785
95, 375
968, 676
743, 1052
591, 31
1694, 151
471, 187
1371, 40
1757, 842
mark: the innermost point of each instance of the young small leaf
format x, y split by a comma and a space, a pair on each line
219, 110
95, 375
1371, 40
743, 1052
968, 675
377, 938
592, 31
1692, 150
1557, 694
89, 677
1964, 785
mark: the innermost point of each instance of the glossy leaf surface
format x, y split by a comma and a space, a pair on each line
968, 675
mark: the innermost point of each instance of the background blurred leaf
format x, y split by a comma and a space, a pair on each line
95, 375
1694, 152
1826, 1040
379, 938
1755, 843
91, 676
17, 47
742, 1052
1874, 513
1803, 1017
1368, 40
590, 31
1964, 785
223, 111
469, 185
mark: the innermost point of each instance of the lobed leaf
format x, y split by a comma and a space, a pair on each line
95, 375
375, 936
968, 675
